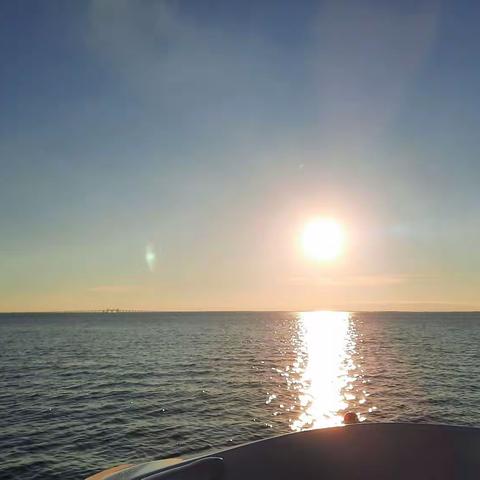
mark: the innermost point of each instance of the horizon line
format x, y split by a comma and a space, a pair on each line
113, 311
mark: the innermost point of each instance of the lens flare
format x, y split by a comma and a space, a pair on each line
150, 256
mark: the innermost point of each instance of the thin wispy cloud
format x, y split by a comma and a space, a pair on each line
365, 60
116, 289
376, 280
167, 57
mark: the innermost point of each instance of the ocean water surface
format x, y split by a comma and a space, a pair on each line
82, 392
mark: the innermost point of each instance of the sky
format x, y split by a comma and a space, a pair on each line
166, 155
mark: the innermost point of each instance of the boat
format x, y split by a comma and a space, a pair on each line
352, 452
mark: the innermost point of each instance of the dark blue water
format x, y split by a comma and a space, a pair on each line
82, 392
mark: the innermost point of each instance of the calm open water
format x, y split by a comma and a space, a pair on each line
82, 392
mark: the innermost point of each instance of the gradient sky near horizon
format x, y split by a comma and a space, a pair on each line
166, 155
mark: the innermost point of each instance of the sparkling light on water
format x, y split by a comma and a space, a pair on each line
326, 356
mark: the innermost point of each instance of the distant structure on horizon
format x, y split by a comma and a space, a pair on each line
118, 310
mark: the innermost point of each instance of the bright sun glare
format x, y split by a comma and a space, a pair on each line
323, 239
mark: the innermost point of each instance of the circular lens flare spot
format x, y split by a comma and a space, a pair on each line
150, 256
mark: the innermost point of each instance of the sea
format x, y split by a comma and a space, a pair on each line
81, 392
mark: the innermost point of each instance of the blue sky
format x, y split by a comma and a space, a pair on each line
210, 132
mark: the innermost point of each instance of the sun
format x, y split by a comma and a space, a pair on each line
323, 239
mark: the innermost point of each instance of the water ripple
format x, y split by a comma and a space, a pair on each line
83, 392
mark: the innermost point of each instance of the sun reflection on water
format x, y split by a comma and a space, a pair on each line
325, 358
